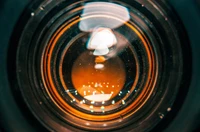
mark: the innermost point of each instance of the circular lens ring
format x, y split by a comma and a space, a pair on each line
66, 106
51, 96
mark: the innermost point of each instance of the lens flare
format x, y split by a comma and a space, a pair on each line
101, 40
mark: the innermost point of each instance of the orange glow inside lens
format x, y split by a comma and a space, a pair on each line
90, 70
98, 80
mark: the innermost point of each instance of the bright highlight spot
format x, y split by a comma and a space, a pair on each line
118, 11
98, 97
99, 66
101, 40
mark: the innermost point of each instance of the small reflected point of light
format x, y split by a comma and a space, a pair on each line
102, 107
32, 14
99, 66
161, 115
91, 107
113, 102
96, 85
135, 90
123, 102
169, 109
104, 124
87, 124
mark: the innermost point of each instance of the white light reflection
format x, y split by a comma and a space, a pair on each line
98, 97
87, 123
100, 19
123, 102
102, 108
99, 66
91, 107
113, 102
103, 8
104, 125
101, 40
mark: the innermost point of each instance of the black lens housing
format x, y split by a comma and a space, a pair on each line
184, 83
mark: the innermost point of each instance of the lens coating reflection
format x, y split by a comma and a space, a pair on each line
95, 66
100, 80
119, 56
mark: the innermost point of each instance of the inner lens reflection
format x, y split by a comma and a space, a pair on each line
106, 8
93, 75
96, 79
99, 65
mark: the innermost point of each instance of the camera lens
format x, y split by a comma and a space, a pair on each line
100, 65
91, 78
96, 70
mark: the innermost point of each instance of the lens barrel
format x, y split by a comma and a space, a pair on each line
100, 65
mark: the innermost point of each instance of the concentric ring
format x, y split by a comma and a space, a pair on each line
105, 68
69, 109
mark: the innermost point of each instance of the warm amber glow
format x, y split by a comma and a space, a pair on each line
99, 59
65, 107
105, 82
